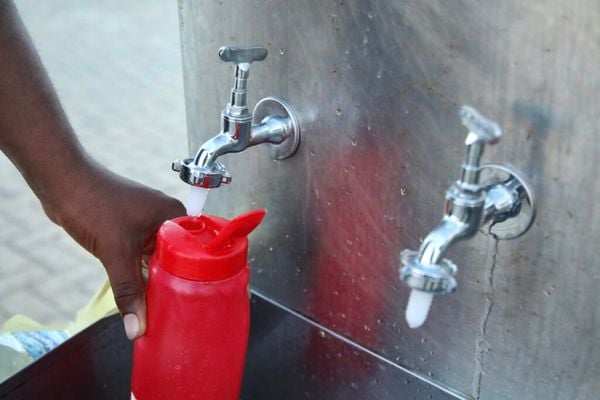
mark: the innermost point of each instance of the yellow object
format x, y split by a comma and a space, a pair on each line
101, 305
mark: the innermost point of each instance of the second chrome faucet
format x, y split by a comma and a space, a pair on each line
489, 195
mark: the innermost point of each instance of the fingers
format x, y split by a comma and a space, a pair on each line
123, 263
125, 277
168, 208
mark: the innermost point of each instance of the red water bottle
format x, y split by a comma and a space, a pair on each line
198, 311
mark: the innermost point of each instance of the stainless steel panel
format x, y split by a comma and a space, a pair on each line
377, 85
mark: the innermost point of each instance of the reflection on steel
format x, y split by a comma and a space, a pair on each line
377, 85
292, 357
277, 125
469, 205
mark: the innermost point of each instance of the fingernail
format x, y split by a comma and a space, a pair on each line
132, 325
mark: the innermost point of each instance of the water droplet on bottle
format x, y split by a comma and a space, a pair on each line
281, 52
322, 334
353, 142
338, 112
370, 15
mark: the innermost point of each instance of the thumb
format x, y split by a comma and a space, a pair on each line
126, 280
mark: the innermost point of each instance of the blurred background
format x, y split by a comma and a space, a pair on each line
116, 66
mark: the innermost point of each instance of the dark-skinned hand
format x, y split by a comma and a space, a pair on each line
115, 219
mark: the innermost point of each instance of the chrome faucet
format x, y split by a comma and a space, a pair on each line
504, 204
273, 121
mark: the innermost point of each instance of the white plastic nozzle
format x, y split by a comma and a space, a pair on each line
196, 200
417, 308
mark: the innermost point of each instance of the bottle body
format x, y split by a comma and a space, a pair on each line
196, 337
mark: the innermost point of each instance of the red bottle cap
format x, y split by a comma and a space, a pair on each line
205, 248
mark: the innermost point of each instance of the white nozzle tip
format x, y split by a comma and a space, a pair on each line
417, 308
196, 200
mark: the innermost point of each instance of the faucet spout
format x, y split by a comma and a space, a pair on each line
437, 242
213, 148
271, 130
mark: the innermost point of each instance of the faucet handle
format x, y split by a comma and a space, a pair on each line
482, 131
240, 55
480, 128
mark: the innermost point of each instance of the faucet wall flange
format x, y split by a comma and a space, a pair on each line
509, 199
285, 144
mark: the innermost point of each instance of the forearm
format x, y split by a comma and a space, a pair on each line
112, 217
34, 131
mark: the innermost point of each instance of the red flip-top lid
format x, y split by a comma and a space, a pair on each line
205, 248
